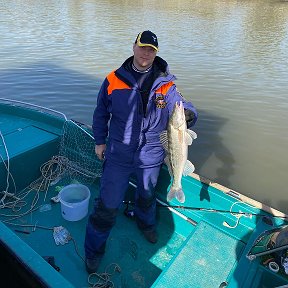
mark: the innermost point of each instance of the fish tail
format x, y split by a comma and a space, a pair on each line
180, 196
171, 194
176, 193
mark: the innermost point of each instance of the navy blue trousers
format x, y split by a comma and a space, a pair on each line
113, 185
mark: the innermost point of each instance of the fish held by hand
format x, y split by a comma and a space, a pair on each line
175, 141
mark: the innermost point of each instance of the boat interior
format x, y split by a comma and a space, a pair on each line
196, 247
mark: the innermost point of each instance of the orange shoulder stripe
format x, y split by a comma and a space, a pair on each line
164, 88
115, 83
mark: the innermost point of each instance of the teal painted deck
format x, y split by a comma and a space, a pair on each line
206, 252
32, 260
140, 262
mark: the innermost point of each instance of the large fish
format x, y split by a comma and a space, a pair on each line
176, 140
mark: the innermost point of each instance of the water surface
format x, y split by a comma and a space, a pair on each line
230, 58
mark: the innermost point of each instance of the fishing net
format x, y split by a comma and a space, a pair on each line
77, 154
76, 161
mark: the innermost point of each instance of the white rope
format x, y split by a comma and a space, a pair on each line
237, 216
7, 167
18, 201
104, 279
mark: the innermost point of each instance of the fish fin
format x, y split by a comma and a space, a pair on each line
189, 140
188, 168
164, 139
167, 162
178, 194
190, 136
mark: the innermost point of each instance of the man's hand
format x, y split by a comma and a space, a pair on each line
100, 150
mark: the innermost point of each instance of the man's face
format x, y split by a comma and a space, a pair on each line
143, 56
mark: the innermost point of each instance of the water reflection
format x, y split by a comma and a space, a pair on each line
52, 86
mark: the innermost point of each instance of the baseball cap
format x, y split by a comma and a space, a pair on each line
147, 38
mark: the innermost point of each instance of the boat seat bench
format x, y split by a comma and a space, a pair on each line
200, 256
24, 139
21, 145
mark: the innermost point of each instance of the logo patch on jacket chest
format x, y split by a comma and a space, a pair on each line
160, 102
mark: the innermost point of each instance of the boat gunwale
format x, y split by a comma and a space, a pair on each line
240, 197
30, 105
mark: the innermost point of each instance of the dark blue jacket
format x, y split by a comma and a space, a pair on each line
133, 136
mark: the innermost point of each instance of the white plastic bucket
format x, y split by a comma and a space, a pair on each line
74, 200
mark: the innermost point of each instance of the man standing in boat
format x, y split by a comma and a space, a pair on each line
133, 108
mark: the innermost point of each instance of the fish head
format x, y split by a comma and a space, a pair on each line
178, 116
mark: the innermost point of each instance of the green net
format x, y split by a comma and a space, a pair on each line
77, 153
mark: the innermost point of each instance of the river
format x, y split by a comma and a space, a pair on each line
230, 58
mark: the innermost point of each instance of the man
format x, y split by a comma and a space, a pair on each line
136, 101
